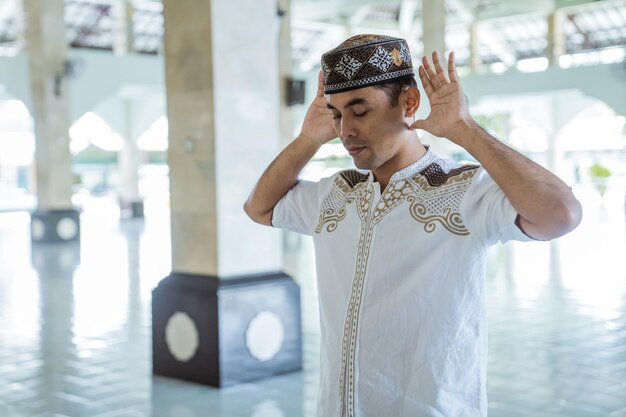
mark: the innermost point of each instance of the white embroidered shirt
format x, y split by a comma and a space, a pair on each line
400, 283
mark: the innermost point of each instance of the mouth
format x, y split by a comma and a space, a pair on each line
355, 150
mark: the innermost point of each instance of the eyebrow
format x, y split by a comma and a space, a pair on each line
352, 102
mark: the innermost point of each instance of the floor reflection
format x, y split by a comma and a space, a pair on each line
75, 324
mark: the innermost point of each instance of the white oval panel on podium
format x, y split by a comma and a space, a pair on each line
38, 229
181, 336
67, 228
264, 336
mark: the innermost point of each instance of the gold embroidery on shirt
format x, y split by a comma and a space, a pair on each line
365, 199
391, 198
333, 207
331, 218
364, 196
439, 201
449, 219
435, 198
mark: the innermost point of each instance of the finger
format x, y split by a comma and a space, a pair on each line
454, 77
320, 84
428, 87
441, 75
432, 76
418, 124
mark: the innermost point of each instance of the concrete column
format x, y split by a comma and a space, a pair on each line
123, 34
226, 314
553, 163
55, 219
20, 23
475, 61
564, 107
556, 37
129, 159
406, 17
552, 154
285, 70
434, 24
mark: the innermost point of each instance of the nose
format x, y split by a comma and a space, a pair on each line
346, 128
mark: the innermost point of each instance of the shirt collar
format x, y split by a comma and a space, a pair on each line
417, 166
407, 172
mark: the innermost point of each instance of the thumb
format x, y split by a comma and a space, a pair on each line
419, 124
320, 84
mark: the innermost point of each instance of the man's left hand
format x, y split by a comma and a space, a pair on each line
449, 115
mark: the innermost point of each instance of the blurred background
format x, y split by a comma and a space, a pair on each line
547, 77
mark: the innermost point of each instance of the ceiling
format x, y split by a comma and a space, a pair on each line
508, 30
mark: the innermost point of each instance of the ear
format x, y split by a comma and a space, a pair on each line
411, 101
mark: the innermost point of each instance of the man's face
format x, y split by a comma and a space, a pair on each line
367, 125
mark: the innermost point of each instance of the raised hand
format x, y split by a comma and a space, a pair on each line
448, 104
318, 121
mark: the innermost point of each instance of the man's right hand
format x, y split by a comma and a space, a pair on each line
318, 122
282, 174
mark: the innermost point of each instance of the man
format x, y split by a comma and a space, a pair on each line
400, 244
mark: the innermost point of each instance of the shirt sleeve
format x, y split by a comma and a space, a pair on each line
486, 211
298, 210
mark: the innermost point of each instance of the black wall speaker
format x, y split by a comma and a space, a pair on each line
295, 91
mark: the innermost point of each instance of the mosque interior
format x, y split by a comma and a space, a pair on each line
131, 133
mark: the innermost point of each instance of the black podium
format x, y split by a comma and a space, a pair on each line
221, 332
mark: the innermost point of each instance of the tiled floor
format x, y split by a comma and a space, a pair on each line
75, 324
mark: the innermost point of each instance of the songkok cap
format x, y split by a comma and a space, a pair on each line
365, 60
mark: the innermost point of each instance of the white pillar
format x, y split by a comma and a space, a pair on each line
556, 37
20, 23
123, 35
223, 111
475, 61
406, 18
47, 57
224, 129
247, 129
285, 70
55, 219
434, 24
129, 159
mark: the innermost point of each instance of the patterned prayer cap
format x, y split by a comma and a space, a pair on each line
365, 60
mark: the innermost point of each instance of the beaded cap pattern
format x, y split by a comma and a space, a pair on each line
365, 60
